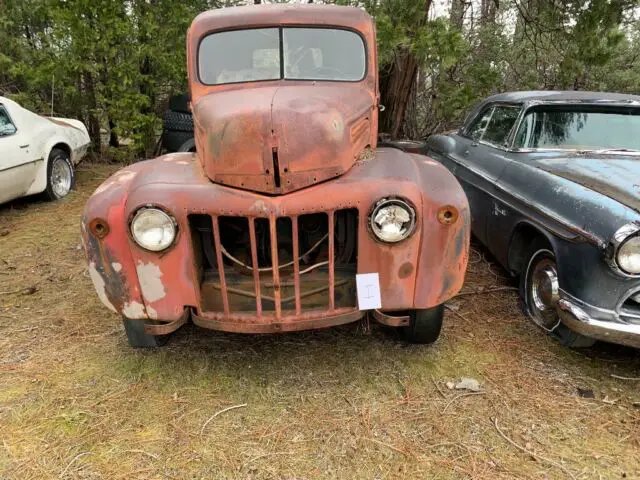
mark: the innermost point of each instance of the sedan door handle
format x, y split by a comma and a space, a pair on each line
24, 146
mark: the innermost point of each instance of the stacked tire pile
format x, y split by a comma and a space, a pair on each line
177, 134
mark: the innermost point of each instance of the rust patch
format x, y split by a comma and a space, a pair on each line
405, 270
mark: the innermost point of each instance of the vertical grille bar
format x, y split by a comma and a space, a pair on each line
218, 247
254, 264
296, 263
275, 266
332, 261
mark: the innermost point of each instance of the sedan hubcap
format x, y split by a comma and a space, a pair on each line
60, 177
544, 293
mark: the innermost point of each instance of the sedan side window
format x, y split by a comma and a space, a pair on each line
477, 129
500, 125
6, 125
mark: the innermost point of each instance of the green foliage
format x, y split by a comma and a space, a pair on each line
111, 63
114, 63
527, 44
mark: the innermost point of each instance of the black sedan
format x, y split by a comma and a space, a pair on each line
553, 180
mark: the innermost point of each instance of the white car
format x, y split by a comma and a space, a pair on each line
38, 154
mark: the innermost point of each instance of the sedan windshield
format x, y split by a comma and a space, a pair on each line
273, 53
580, 128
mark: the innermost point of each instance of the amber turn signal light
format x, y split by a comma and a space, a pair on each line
99, 227
448, 215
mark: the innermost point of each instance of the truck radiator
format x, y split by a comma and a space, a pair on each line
276, 267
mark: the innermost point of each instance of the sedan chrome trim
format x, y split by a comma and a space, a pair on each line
578, 320
619, 237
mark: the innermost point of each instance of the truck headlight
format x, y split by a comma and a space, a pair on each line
628, 256
153, 229
392, 220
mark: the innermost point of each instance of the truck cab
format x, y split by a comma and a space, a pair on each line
287, 216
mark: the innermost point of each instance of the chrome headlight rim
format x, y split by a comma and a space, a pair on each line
620, 238
633, 238
389, 201
157, 208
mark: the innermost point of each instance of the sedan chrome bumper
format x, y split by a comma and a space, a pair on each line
581, 318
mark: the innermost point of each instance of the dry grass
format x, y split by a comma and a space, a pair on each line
349, 402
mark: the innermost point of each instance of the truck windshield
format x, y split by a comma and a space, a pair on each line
291, 53
580, 128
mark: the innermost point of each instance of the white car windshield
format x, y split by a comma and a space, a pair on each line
580, 128
274, 53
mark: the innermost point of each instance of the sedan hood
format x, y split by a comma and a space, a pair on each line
614, 176
277, 139
68, 122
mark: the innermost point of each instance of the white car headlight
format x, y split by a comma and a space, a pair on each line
392, 220
628, 256
153, 229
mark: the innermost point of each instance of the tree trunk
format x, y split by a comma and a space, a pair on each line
488, 10
113, 136
93, 122
397, 82
458, 10
396, 91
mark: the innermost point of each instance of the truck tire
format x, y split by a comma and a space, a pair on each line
138, 338
424, 325
177, 141
178, 121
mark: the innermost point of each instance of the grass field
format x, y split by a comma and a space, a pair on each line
347, 402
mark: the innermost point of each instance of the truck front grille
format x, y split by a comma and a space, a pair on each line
277, 266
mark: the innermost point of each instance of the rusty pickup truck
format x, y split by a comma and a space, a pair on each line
287, 217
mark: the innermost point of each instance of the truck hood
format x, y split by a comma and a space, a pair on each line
277, 139
614, 176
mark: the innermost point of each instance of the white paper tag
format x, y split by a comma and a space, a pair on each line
368, 286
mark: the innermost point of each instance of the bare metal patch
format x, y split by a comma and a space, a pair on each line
151, 312
105, 186
150, 282
124, 176
99, 284
133, 310
258, 207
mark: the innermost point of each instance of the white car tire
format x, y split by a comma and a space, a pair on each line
60, 175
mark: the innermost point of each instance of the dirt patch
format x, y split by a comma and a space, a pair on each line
346, 402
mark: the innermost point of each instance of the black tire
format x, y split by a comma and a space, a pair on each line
178, 121
188, 146
176, 141
138, 338
58, 162
540, 256
424, 325
179, 103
